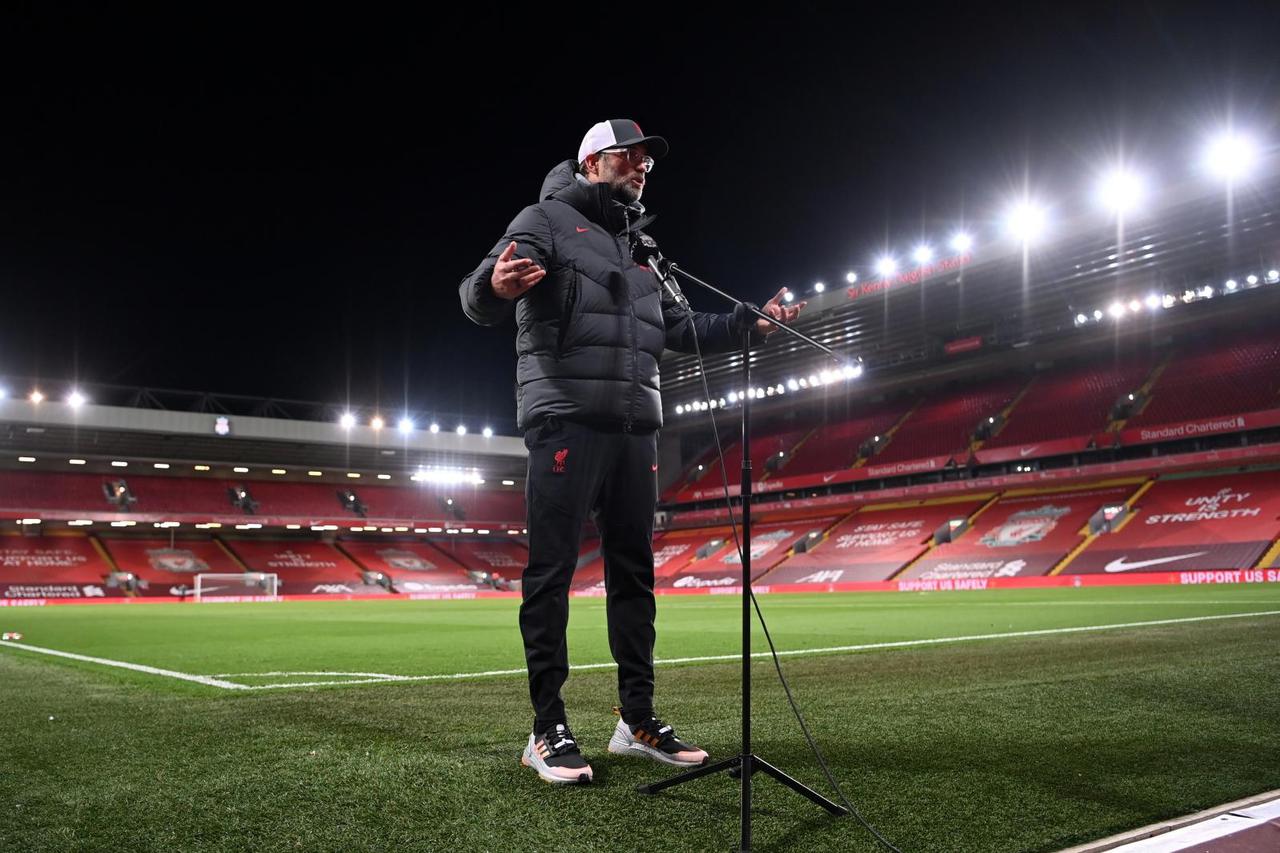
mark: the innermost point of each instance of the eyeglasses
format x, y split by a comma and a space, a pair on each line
633, 156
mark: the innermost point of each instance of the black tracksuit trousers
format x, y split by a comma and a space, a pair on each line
576, 471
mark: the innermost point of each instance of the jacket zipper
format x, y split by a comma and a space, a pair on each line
629, 421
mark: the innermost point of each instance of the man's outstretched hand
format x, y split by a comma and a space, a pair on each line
779, 311
513, 276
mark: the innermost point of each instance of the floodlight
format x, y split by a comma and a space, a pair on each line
1120, 191
1025, 221
1231, 156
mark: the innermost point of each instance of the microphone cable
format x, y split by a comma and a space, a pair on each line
777, 664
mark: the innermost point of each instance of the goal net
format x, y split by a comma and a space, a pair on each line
241, 586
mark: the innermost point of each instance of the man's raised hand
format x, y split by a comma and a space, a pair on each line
779, 311
513, 276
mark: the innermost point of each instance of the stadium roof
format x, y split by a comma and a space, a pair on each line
1002, 295
103, 433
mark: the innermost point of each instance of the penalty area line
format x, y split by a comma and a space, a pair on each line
386, 678
896, 644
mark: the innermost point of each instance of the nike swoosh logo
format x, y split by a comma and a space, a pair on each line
827, 478
1027, 451
582, 230
1121, 566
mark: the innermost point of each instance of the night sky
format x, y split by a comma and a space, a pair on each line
284, 207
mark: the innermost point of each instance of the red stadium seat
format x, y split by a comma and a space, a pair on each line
945, 423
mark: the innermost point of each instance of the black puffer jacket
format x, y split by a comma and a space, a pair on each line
591, 333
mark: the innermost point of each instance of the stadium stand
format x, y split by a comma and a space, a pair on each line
590, 571
765, 452
298, 500
30, 491
873, 544
412, 566
1226, 521
470, 504
184, 495
304, 568
719, 564
834, 446
53, 567
1192, 384
163, 568
1023, 534
500, 557
1070, 401
945, 423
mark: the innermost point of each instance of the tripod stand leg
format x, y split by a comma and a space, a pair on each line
689, 776
759, 764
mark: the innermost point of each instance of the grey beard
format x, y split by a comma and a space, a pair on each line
627, 196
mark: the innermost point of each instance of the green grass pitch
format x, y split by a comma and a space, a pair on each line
995, 738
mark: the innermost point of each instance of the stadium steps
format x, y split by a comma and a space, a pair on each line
1129, 517
231, 555
1272, 557
991, 501
808, 435
103, 553
107, 558
1145, 390
1091, 537
352, 557
889, 433
1006, 413
1074, 552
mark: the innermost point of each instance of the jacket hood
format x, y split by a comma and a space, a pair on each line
559, 178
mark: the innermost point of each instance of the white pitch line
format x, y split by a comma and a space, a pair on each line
375, 676
895, 644
136, 667
459, 676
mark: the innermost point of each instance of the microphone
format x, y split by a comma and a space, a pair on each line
645, 251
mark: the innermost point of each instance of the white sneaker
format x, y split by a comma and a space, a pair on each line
654, 739
554, 755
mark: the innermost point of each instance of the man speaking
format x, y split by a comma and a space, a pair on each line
592, 324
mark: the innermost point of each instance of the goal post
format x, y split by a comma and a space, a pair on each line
238, 586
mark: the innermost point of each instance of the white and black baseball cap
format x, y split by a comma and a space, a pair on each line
619, 133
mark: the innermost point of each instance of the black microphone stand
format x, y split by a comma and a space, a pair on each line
745, 764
